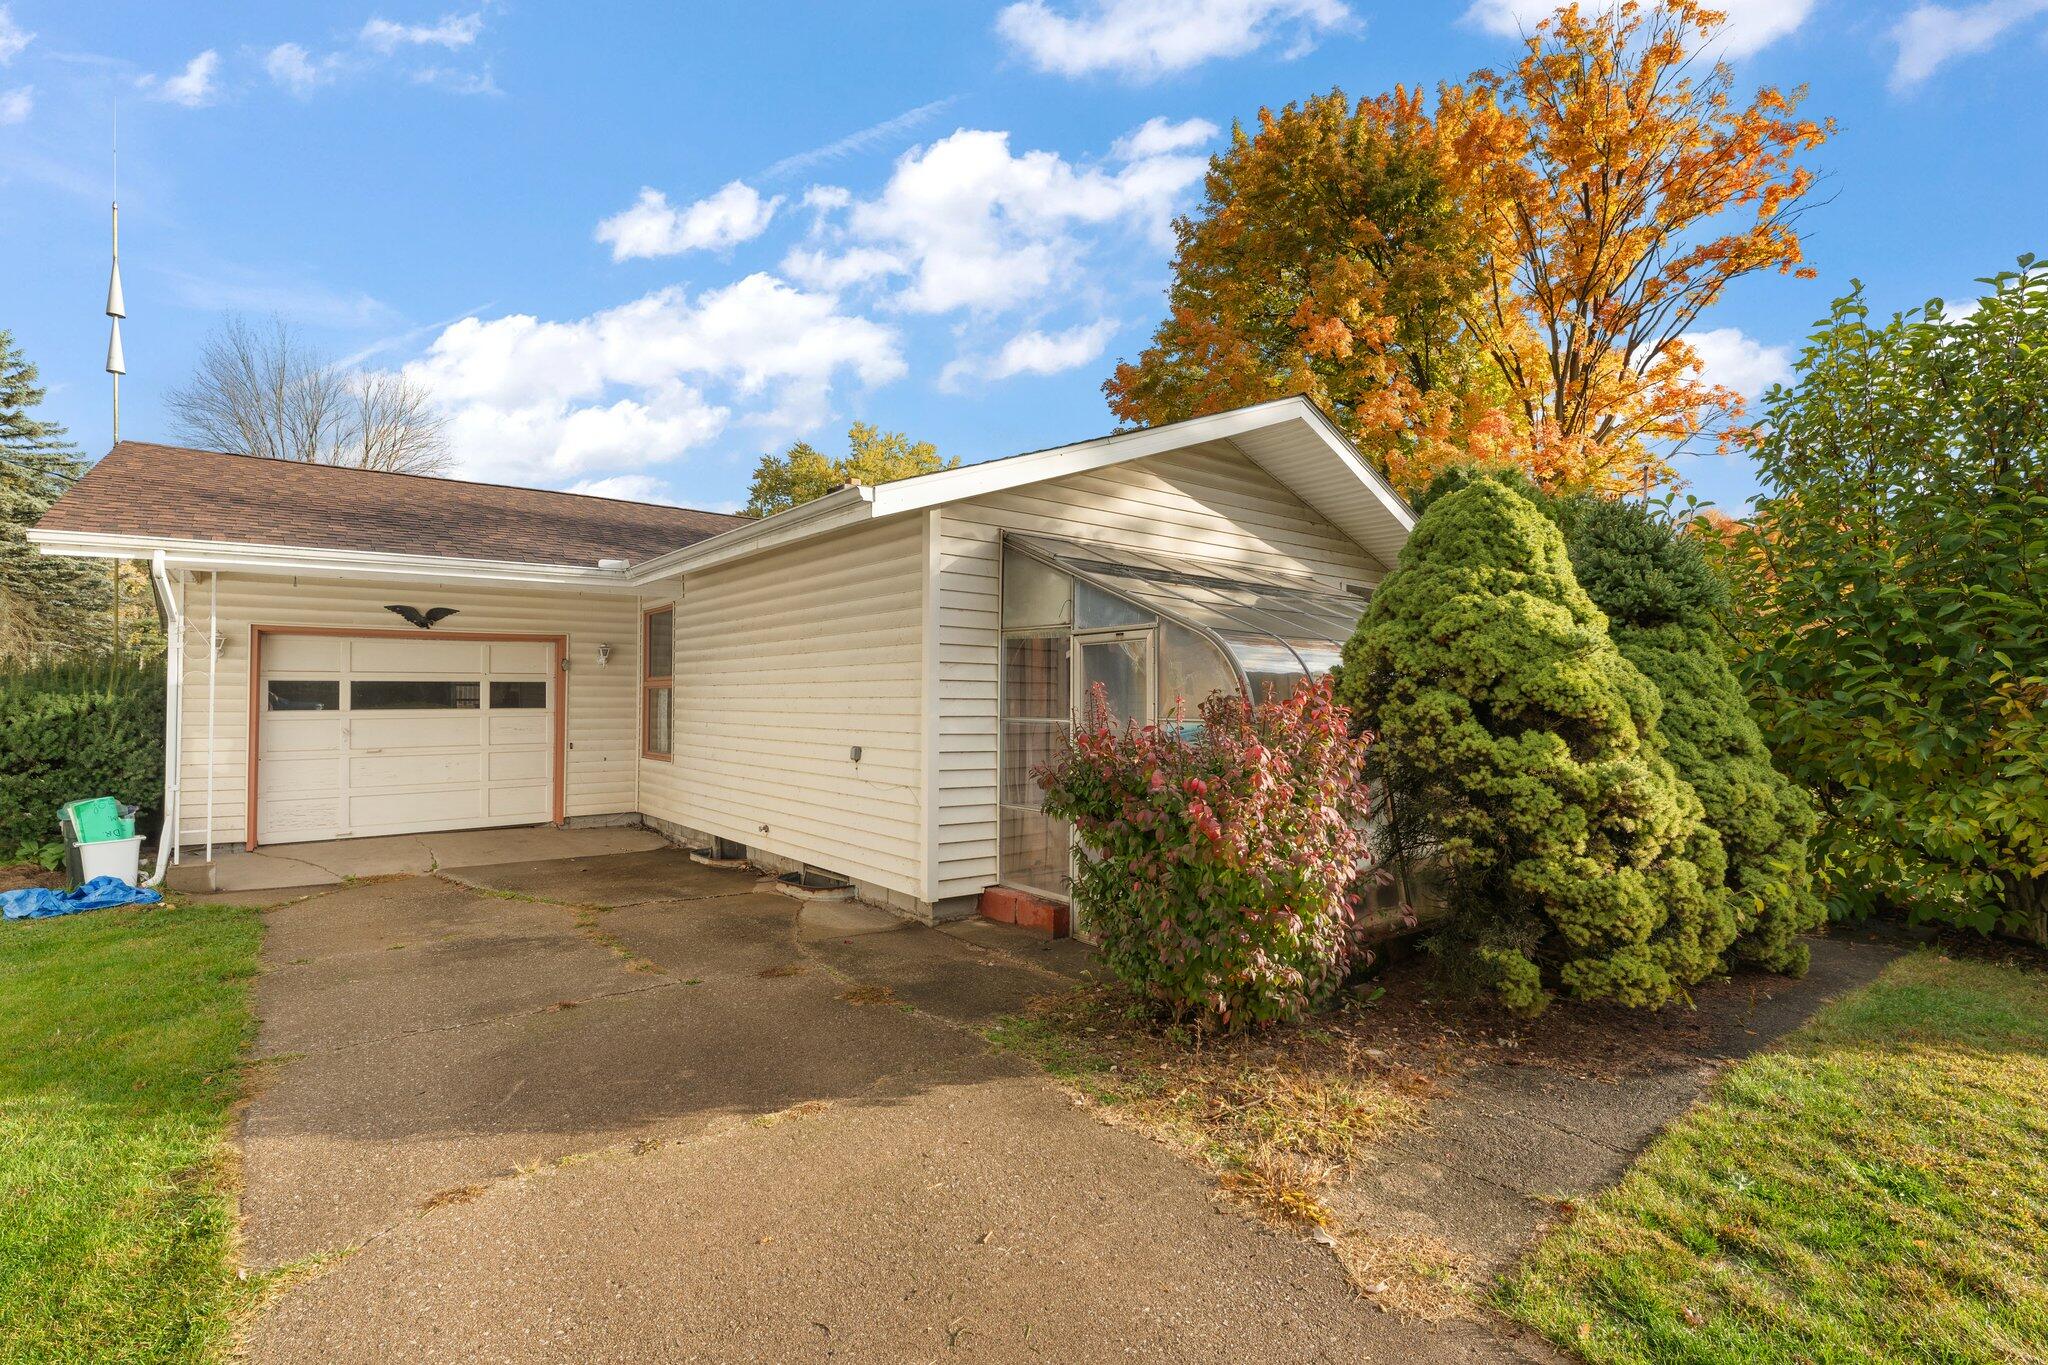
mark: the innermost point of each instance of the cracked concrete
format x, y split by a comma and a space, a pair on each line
535, 1152
244, 877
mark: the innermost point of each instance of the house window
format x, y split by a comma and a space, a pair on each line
657, 688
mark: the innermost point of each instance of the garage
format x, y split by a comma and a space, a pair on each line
391, 733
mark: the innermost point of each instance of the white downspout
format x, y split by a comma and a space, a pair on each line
212, 688
174, 705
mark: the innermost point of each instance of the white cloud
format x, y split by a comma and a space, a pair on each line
1752, 24
292, 67
653, 227
1158, 136
826, 198
16, 104
1036, 352
192, 87
1930, 36
456, 81
977, 226
382, 43
842, 270
631, 487
633, 386
13, 37
453, 31
1737, 361
1145, 39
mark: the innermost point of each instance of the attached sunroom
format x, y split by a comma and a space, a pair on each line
1158, 633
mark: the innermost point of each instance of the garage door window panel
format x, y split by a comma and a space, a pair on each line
519, 695
303, 694
413, 694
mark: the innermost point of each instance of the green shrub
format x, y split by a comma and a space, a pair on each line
74, 731
1218, 866
1661, 597
1893, 611
1520, 756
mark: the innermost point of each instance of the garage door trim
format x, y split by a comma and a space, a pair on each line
560, 678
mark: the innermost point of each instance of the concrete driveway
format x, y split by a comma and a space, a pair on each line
625, 1107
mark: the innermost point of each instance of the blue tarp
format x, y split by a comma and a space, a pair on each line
97, 894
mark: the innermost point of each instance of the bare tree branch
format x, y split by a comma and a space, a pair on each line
265, 391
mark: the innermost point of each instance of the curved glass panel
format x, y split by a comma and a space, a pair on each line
1191, 668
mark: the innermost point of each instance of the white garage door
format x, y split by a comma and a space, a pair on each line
364, 736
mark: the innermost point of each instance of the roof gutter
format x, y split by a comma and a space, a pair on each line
232, 556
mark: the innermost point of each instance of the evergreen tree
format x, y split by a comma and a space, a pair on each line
48, 605
1663, 600
1520, 757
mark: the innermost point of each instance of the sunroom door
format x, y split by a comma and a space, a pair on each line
1123, 664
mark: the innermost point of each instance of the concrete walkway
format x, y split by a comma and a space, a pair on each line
620, 1106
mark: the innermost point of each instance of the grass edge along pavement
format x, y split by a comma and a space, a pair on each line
1875, 1186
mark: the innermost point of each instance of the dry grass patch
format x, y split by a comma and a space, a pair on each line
1279, 1116
1420, 1277
461, 1194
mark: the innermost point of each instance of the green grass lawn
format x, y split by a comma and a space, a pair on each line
1876, 1188
121, 1033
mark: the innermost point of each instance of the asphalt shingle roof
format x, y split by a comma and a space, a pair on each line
141, 489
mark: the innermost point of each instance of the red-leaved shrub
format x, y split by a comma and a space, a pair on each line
1218, 865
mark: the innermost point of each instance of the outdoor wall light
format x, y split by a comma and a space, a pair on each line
604, 655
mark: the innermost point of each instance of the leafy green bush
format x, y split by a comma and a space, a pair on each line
1662, 596
1218, 866
1520, 756
1893, 603
74, 731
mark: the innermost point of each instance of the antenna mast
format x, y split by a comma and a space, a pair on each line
117, 308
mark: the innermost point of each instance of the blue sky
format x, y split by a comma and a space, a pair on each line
632, 245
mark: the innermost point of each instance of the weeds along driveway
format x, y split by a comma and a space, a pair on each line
627, 1107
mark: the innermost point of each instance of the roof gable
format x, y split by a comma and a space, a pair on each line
1289, 438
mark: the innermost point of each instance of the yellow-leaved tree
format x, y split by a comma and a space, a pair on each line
1507, 273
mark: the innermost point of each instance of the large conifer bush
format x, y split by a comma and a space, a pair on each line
1662, 599
1520, 756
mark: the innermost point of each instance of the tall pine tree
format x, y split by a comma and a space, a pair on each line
48, 606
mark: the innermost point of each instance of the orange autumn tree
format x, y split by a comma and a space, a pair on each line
1333, 257
1508, 276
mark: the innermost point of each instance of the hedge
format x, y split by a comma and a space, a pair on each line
73, 731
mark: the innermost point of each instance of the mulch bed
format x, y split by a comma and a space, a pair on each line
22, 876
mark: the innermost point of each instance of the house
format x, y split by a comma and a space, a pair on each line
859, 685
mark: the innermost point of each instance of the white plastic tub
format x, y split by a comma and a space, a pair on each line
110, 858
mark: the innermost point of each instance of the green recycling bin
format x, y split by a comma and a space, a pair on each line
98, 820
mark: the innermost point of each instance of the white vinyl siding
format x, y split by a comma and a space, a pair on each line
785, 661
1208, 502
600, 777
